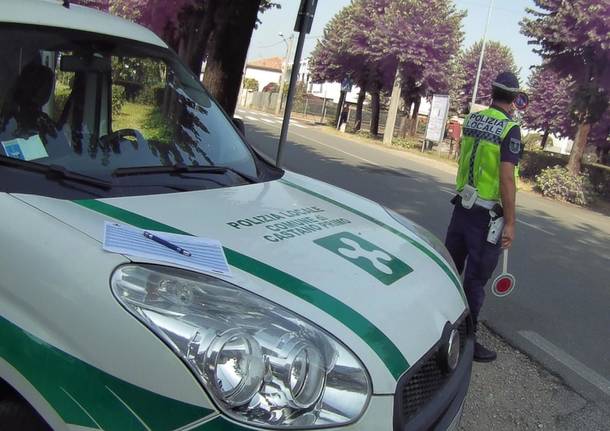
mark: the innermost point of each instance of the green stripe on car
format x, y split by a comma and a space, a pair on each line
391, 356
87, 396
421, 247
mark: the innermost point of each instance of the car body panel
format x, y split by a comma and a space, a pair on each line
336, 259
426, 291
51, 13
61, 326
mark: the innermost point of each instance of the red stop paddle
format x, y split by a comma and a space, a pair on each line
505, 283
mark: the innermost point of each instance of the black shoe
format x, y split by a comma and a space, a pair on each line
483, 354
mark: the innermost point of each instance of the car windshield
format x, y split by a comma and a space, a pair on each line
95, 105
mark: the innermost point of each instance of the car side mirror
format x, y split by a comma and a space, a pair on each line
239, 123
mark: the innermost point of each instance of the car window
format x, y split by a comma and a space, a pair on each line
93, 104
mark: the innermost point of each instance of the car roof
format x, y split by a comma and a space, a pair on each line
52, 13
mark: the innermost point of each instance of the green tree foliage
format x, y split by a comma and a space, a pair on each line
251, 84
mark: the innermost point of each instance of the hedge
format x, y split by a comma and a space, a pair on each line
533, 163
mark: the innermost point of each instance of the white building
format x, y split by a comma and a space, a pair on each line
269, 70
265, 70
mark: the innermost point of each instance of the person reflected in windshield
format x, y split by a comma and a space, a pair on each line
23, 115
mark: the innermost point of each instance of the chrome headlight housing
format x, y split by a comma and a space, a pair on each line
425, 235
260, 363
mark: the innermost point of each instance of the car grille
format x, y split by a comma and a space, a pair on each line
427, 380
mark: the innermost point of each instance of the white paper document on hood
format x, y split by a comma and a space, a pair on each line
186, 251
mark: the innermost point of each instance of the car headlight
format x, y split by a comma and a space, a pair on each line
260, 363
426, 235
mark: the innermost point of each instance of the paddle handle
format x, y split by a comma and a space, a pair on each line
505, 262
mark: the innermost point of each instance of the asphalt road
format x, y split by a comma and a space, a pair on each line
560, 312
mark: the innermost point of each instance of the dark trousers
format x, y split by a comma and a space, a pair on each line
467, 238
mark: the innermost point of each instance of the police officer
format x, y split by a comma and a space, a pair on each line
490, 153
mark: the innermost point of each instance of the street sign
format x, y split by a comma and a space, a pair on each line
439, 110
505, 283
346, 85
521, 101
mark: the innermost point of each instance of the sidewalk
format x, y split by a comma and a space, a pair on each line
516, 394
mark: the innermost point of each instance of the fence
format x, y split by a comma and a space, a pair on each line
317, 110
310, 107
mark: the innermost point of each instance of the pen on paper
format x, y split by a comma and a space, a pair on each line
167, 244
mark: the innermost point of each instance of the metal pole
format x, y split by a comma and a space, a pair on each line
340, 107
291, 89
476, 81
278, 105
324, 105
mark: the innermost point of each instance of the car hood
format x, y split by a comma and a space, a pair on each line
333, 257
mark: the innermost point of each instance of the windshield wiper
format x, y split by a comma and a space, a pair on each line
178, 168
55, 172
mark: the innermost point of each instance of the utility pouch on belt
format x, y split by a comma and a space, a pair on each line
469, 196
496, 224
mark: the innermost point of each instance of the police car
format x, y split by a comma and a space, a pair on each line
309, 307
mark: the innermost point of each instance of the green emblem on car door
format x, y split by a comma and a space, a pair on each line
379, 263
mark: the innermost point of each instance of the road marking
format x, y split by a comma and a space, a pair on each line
564, 358
238, 117
337, 149
298, 125
267, 121
533, 226
251, 118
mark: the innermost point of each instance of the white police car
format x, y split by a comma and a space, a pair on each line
333, 312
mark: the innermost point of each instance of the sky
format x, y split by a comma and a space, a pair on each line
504, 27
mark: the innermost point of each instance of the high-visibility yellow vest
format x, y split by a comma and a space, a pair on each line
480, 152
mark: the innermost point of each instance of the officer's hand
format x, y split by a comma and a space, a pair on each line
508, 234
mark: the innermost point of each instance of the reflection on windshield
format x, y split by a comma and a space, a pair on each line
93, 106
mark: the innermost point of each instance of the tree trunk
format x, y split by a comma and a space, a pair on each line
578, 149
415, 116
545, 138
227, 49
196, 27
359, 107
375, 101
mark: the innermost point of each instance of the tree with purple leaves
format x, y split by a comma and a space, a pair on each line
344, 52
332, 60
600, 138
549, 108
498, 58
421, 39
370, 39
573, 37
